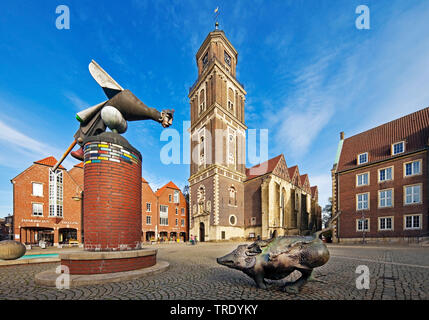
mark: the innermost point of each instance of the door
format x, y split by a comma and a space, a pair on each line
202, 230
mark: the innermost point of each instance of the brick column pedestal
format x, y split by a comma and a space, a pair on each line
112, 209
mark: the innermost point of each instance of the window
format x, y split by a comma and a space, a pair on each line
412, 168
183, 211
362, 179
37, 189
169, 198
412, 222
232, 220
201, 146
231, 146
230, 100
38, 209
232, 196
148, 207
412, 194
148, 220
177, 222
363, 158
362, 201
223, 236
385, 223
183, 222
163, 215
253, 221
385, 174
56, 193
227, 58
385, 198
177, 211
176, 196
362, 224
202, 101
205, 59
398, 147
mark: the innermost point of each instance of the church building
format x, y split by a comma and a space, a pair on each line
227, 200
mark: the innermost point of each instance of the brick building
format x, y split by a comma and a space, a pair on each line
51, 209
165, 213
47, 206
380, 182
218, 183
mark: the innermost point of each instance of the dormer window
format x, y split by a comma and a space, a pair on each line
398, 148
362, 158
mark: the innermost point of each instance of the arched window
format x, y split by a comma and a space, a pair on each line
230, 100
232, 196
202, 101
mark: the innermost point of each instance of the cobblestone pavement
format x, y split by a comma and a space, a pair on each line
395, 273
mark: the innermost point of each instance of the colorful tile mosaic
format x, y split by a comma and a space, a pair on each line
96, 152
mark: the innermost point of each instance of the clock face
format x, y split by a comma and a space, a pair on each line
227, 58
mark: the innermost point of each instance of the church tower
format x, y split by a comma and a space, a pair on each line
218, 136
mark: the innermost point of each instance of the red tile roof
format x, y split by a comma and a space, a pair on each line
49, 161
79, 165
271, 165
291, 171
314, 191
303, 178
170, 185
413, 128
144, 180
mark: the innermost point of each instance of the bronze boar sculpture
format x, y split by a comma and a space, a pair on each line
278, 257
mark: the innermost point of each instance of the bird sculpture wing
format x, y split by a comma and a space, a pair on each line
109, 85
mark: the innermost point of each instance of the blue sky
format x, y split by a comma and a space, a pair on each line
308, 71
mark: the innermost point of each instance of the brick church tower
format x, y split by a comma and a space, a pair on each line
218, 136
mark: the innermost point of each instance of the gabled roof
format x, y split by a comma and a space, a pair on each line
49, 161
303, 178
412, 128
144, 180
314, 191
170, 185
270, 165
292, 172
79, 165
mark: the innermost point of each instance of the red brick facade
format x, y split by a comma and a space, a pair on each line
30, 228
176, 226
393, 203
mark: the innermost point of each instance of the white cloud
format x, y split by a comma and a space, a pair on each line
22, 144
77, 102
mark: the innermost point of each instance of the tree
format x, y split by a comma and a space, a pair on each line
327, 213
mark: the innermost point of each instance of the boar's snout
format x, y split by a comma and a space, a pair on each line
226, 260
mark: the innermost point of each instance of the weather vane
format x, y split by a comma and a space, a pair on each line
217, 14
